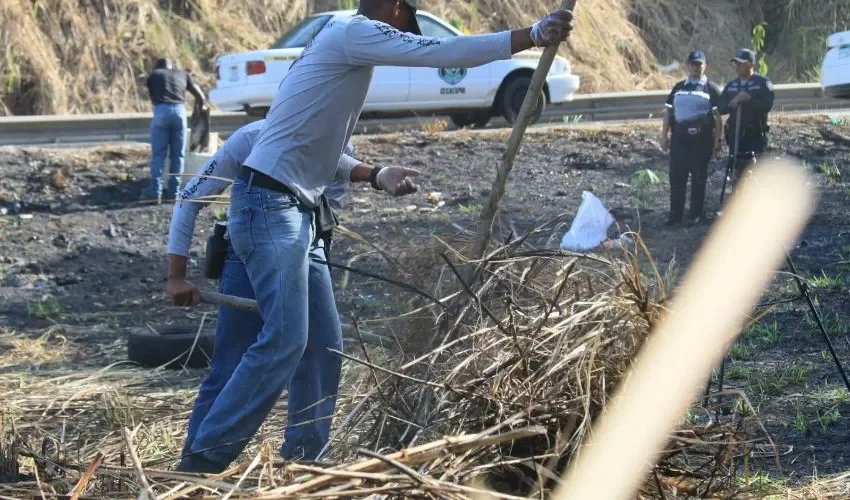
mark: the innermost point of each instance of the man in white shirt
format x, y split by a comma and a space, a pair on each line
311, 119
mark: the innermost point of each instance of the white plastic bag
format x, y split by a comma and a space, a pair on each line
590, 227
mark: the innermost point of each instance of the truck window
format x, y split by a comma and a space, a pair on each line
302, 33
433, 29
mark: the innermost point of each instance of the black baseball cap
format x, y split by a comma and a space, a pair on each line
696, 56
413, 27
745, 56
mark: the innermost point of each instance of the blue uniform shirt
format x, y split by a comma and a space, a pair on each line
693, 101
753, 113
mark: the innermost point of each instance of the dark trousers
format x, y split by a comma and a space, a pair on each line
750, 149
689, 156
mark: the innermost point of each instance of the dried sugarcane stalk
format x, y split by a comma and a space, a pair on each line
418, 455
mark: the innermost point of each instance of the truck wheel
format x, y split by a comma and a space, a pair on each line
170, 347
513, 96
479, 119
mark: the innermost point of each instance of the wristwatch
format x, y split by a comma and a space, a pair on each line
373, 177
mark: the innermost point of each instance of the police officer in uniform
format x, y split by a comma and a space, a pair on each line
753, 93
692, 132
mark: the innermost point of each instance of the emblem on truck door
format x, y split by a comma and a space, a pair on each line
452, 76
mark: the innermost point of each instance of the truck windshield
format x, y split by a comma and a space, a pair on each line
302, 33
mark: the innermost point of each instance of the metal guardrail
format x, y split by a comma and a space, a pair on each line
59, 129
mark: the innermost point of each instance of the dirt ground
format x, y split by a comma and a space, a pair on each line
82, 263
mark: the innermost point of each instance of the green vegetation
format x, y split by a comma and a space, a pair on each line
800, 424
742, 351
759, 35
642, 183
470, 209
832, 173
827, 281
795, 374
44, 309
767, 333
761, 482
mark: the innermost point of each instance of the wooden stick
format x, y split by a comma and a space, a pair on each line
249, 305
488, 214
86, 477
729, 274
146, 493
219, 299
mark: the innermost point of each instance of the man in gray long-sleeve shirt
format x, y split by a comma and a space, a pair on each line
271, 225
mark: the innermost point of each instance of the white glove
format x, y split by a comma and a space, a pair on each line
397, 181
552, 29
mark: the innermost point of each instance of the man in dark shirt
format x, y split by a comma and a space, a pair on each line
691, 116
167, 87
753, 93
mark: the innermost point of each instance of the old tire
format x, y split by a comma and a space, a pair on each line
170, 347
513, 96
478, 119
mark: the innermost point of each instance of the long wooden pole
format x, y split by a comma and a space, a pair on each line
488, 214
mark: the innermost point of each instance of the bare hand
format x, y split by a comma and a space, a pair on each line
183, 293
718, 147
552, 29
398, 181
665, 143
742, 96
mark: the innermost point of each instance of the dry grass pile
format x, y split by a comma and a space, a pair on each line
514, 373
71, 56
68, 56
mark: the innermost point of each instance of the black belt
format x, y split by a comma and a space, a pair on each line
262, 180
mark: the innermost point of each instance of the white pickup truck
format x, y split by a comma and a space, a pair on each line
835, 72
247, 81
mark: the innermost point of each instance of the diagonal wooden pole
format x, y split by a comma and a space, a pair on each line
488, 214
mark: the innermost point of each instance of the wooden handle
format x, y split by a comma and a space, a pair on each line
488, 214
220, 299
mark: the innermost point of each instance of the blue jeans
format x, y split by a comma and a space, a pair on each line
168, 136
272, 233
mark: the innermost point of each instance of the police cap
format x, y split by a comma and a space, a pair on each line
745, 56
697, 56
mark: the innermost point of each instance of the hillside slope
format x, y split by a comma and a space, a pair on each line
91, 56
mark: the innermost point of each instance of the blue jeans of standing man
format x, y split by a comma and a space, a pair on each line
272, 234
168, 136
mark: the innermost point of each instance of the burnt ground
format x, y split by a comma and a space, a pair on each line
81, 260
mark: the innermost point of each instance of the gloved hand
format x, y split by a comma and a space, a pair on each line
552, 29
397, 181
183, 293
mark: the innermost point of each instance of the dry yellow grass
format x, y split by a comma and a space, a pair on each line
66, 56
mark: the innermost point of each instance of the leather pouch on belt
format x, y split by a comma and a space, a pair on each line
326, 219
216, 252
